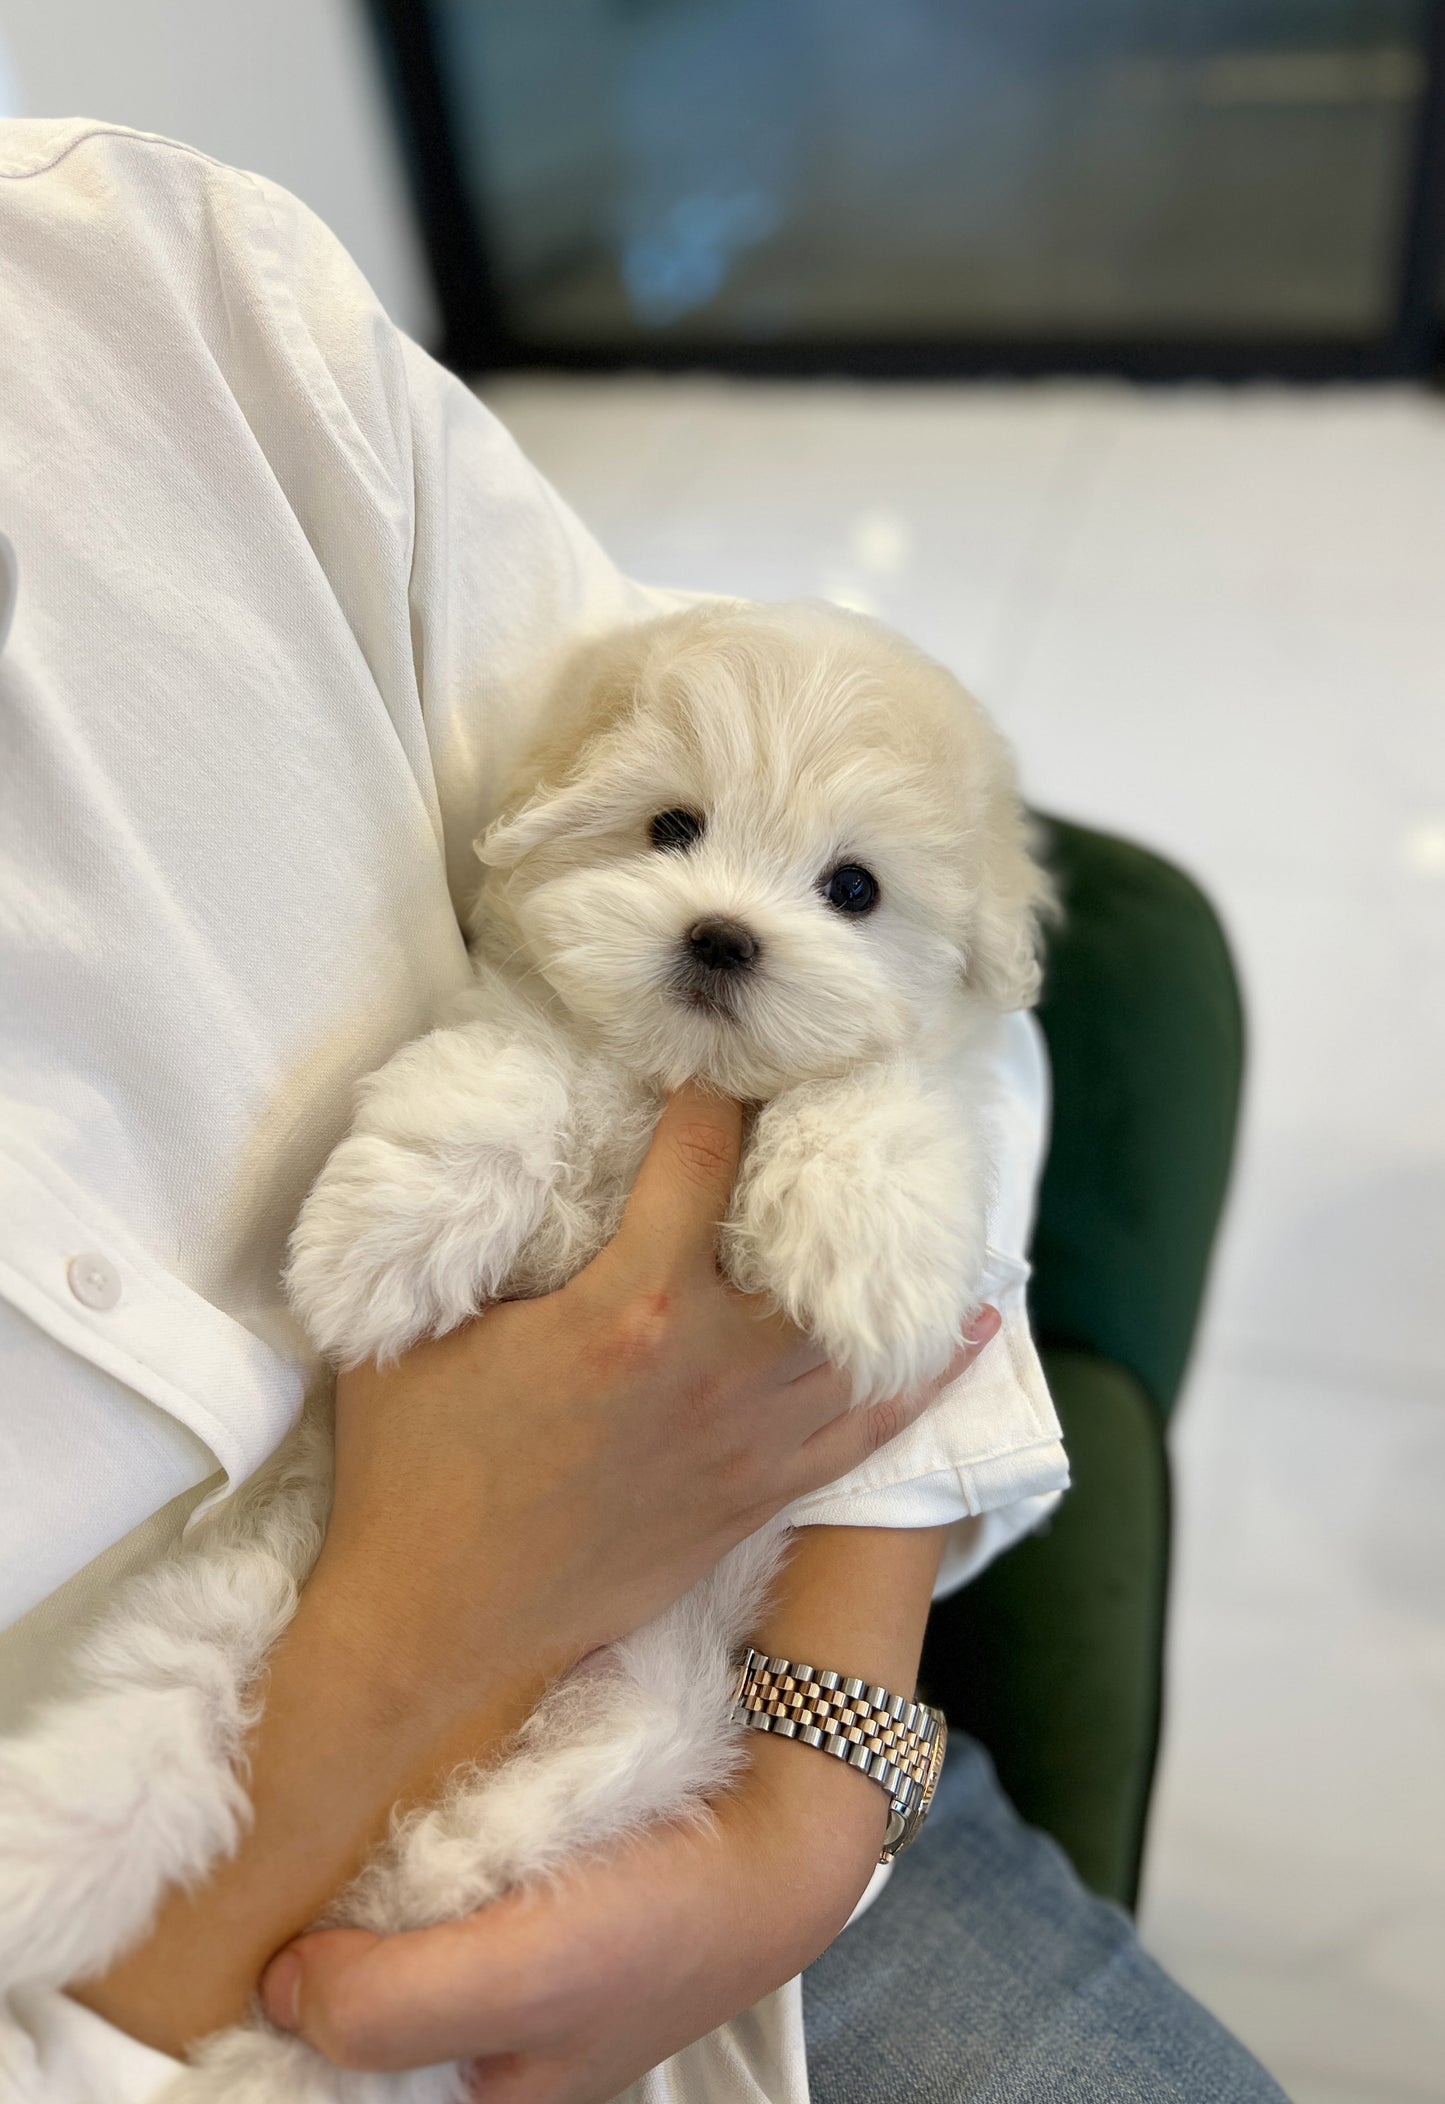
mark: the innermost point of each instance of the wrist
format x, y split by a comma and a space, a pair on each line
853, 1600
856, 1600
392, 1640
804, 1835
825, 1803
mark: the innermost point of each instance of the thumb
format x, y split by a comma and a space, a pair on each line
316, 1988
484, 1985
676, 1206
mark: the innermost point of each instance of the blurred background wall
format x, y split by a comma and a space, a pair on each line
929, 184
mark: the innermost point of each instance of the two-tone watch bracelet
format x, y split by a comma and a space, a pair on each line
899, 1744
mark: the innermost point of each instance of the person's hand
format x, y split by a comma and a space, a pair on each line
567, 1993
563, 1468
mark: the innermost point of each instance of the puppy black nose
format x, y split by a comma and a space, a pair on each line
722, 945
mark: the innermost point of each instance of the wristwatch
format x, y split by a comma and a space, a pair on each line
898, 1743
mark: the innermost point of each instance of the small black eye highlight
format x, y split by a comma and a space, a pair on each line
675, 829
851, 889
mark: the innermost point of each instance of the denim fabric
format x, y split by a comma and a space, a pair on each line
984, 1973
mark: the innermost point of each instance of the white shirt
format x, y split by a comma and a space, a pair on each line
282, 600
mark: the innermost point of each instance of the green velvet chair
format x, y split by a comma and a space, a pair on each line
1054, 1658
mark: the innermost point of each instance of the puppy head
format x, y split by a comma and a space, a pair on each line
762, 844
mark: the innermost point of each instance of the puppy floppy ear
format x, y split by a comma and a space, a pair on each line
547, 815
1015, 896
565, 786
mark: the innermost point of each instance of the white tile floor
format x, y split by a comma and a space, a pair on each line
1215, 621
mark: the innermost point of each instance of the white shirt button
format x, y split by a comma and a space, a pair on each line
94, 1280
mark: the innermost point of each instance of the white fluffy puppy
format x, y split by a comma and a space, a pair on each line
775, 848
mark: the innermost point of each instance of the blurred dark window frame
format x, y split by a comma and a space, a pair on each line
479, 335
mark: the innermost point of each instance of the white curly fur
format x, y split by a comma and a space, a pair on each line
494, 1156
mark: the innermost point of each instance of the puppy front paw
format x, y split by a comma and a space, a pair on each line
859, 1210
419, 1215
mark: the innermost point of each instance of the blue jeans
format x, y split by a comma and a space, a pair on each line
984, 1973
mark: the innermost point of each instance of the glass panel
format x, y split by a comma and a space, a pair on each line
758, 170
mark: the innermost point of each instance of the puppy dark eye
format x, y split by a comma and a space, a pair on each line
852, 889
675, 829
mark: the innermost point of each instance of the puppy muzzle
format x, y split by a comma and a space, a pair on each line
717, 957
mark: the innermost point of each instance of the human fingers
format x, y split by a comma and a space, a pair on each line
383, 2004
818, 1396
521, 1976
671, 1220
521, 2078
851, 1436
760, 1331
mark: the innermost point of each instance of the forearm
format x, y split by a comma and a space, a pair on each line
353, 1724
860, 1592
586, 1981
855, 1599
